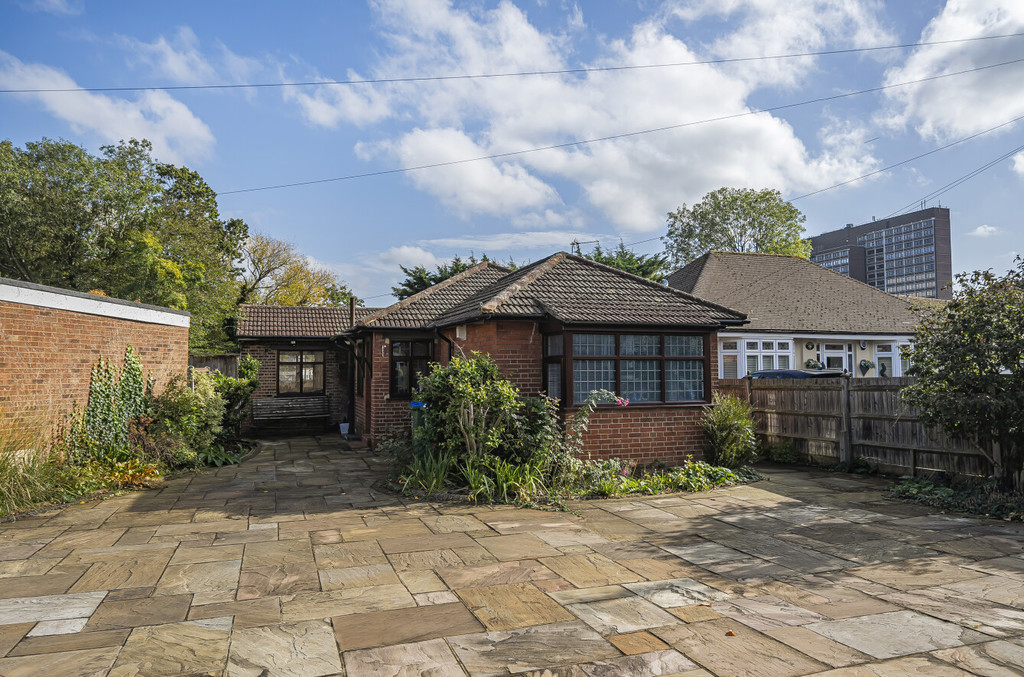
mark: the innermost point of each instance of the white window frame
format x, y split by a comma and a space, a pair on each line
742, 352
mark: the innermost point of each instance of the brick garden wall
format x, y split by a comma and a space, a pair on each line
47, 355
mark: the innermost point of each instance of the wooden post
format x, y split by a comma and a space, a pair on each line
750, 390
913, 462
846, 431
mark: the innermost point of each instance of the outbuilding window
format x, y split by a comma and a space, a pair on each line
300, 372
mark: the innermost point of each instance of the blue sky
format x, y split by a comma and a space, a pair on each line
527, 206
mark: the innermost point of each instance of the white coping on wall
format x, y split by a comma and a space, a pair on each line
42, 296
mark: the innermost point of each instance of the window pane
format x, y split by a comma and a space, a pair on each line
288, 378
730, 345
751, 363
400, 348
639, 346
729, 367
768, 362
554, 344
421, 348
751, 345
883, 348
554, 377
767, 345
419, 367
641, 380
684, 379
834, 346
904, 362
289, 356
400, 377
591, 375
833, 362
783, 345
312, 378
689, 346
593, 344
313, 356
885, 366
783, 361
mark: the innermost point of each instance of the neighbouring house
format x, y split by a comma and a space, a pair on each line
564, 326
800, 314
51, 338
304, 376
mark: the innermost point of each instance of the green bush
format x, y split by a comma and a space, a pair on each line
236, 392
729, 432
975, 496
783, 452
186, 421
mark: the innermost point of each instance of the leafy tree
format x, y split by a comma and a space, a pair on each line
121, 223
969, 362
651, 266
275, 273
736, 220
419, 278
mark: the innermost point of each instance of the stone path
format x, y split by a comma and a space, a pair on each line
291, 564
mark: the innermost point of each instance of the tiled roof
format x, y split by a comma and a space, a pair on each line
785, 293
419, 310
579, 291
295, 321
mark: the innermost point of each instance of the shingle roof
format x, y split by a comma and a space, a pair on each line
295, 321
419, 310
785, 293
579, 291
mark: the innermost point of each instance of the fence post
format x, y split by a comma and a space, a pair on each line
750, 390
846, 433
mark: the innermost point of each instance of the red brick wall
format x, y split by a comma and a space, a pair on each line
335, 374
47, 355
516, 347
645, 434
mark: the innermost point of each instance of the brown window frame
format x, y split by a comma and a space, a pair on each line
301, 363
393, 392
568, 357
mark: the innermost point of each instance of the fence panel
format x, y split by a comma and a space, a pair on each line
819, 417
226, 363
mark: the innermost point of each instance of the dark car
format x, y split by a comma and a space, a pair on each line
797, 373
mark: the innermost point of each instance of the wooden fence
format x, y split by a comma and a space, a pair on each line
226, 364
843, 419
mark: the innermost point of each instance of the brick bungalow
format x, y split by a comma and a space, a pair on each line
563, 326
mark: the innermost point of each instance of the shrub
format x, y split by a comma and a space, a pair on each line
783, 452
186, 420
236, 393
729, 432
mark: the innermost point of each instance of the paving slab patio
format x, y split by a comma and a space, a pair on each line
296, 563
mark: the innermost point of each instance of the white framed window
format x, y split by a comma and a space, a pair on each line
739, 358
836, 355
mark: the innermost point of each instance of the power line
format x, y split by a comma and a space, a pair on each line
903, 162
956, 182
612, 137
480, 76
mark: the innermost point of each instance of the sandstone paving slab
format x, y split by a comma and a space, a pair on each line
192, 647
519, 521
431, 541
676, 592
896, 633
651, 664
11, 634
991, 659
818, 647
89, 538
705, 553
129, 571
582, 595
37, 566
311, 605
910, 666
765, 612
876, 551
129, 613
391, 529
531, 648
275, 553
425, 559
751, 570
280, 579
998, 589
214, 526
304, 649
357, 577
71, 642
341, 555
197, 578
116, 553
432, 657
590, 570
250, 613
516, 546
918, 573
402, 626
561, 538
475, 554
40, 585
630, 550
446, 524
82, 663
637, 642
499, 573
1012, 567
695, 613
621, 615
66, 626
428, 598
422, 581
211, 553
49, 608
503, 607
964, 609
983, 547
743, 652
612, 527
662, 568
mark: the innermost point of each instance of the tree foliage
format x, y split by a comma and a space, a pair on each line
121, 223
419, 278
275, 273
651, 266
736, 220
969, 362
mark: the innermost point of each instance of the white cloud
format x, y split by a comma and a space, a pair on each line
329, 105
57, 7
634, 181
964, 104
984, 231
176, 133
1018, 164
494, 243
181, 59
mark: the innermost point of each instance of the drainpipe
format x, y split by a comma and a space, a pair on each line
451, 346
